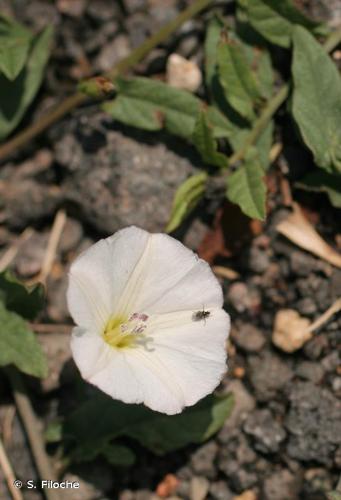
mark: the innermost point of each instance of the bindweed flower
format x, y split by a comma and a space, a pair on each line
151, 328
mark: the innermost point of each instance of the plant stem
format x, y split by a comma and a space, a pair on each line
8, 473
273, 105
79, 98
34, 436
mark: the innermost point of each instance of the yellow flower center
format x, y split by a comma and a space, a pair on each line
121, 332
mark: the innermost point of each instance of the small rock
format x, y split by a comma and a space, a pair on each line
259, 260
291, 331
112, 52
202, 460
243, 298
182, 73
281, 485
309, 370
317, 482
316, 347
246, 495
56, 347
268, 374
199, 487
248, 337
71, 236
309, 440
73, 8
306, 306
31, 255
267, 433
301, 263
244, 403
220, 491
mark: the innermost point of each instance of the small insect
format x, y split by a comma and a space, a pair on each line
201, 315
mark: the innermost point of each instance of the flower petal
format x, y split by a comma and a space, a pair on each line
99, 275
183, 362
174, 279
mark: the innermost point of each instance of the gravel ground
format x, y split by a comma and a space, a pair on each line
283, 440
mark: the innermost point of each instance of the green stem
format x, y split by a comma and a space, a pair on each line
79, 98
273, 105
32, 430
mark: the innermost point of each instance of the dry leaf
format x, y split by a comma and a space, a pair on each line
291, 331
182, 73
298, 230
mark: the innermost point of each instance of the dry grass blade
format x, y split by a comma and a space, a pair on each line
12, 251
6, 467
299, 230
51, 250
225, 272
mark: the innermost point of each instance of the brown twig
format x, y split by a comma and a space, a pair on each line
79, 98
32, 430
333, 309
8, 473
50, 328
7, 424
52, 245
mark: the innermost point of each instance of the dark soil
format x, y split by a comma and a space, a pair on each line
283, 440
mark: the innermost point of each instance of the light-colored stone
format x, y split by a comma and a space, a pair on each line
182, 73
291, 331
198, 488
246, 495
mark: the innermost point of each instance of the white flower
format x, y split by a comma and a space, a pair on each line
142, 336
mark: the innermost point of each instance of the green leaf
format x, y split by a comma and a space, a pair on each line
259, 60
316, 104
334, 495
26, 301
118, 455
246, 187
186, 199
238, 81
275, 20
17, 95
321, 181
206, 144
101, 419
263, 143
212, 39
153, 105
15, 41
18, 345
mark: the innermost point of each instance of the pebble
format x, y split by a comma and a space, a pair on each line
244, 298
244, 404
267, 433
112, 52
302, 264
248, 337
259, 260
268, 375
281, 485
71, 236
310, 370
31, 255
220, 491
306, 306
246, 495
290, 331
202, 460
182, 73
198, 488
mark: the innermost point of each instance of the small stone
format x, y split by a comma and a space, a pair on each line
316, 347
112, 52
73, 8
282, 485
268, 375
248, 337
291, 331
302, 264
71, 236
243, 298
183, 73
309, 370
31, 255
306, 306
267, 433
244, 404
246, 495
220, 491
202, 460
199, 487
259, 260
